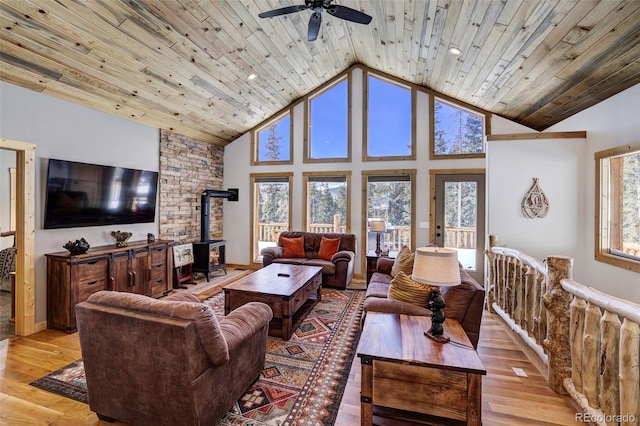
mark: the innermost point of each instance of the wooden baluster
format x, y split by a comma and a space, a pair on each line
578, 308
505, 279
531, 297
510, 290
590, 355
491, 285
609, 359
519, 297
557, 301
629, 373
500, 280
544, 314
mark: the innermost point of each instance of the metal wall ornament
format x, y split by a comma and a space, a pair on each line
535, 204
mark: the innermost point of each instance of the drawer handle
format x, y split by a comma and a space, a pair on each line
92, 283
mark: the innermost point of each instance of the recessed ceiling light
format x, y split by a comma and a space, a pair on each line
252, 76
455, 51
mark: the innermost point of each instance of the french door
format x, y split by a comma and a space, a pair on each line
460, 218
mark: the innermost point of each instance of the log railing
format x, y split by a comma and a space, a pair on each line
604, 342
589, 341
516, 285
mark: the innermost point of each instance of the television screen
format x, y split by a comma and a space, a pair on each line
81, 194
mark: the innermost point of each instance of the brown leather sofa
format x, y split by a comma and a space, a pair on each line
336, 272
168, 362
464, 302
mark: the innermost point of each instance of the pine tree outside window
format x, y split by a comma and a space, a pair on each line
271, 210
457, 132
272, 142
327, 196
390, 196
618, 207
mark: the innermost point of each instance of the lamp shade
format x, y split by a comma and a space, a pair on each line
378, 226
436, 266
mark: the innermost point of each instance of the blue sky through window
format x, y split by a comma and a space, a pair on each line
329, 123
389, 121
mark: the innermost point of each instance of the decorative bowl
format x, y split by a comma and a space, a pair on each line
121, 237
78, 247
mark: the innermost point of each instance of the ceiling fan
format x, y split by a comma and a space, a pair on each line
342, 12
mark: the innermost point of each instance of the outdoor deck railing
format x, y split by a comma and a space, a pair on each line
589, 340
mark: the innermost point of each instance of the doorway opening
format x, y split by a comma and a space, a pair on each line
24, 235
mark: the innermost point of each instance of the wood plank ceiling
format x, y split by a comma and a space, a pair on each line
182, 65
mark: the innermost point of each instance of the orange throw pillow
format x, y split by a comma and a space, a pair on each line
293, 247
328, 247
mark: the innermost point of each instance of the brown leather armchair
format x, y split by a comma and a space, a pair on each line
168, 362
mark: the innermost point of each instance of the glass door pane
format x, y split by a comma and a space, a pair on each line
272, 213
460, 221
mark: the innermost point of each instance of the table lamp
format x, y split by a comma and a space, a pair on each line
437, 267
378, 226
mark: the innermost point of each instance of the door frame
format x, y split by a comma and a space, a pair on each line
25, 235
433, 173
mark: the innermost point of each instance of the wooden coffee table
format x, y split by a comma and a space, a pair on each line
404, 372
285, 288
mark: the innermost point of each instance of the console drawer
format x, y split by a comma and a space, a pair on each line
92, 271
86, 289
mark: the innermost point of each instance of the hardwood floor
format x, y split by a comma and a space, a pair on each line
506, 399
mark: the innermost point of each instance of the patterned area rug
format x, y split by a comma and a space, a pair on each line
303, 379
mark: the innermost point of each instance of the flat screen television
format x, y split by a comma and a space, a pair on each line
82, 194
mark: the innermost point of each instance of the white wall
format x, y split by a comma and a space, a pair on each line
67, 131
511, 167
611, 123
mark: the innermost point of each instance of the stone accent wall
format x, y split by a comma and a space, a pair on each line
187, 167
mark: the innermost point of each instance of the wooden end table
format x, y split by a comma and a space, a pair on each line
285, 288
404, 372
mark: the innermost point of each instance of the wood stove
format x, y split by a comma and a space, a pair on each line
208, 255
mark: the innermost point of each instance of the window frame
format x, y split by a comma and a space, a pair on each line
602, 194
255, 259
307, 120
365, 117
413, 174
255, 143
305, 194
432, 130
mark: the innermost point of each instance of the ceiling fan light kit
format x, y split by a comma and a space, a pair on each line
342, 12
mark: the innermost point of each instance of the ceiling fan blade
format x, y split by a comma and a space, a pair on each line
349, 14
282, 11
314, 26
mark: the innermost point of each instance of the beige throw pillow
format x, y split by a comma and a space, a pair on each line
403, 262
405, 289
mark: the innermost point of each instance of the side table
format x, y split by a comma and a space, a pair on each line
372, 264
404, 372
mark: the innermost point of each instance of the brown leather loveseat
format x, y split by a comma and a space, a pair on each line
170, 361
336, 272
464, 302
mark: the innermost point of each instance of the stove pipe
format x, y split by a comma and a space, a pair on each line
205, 207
